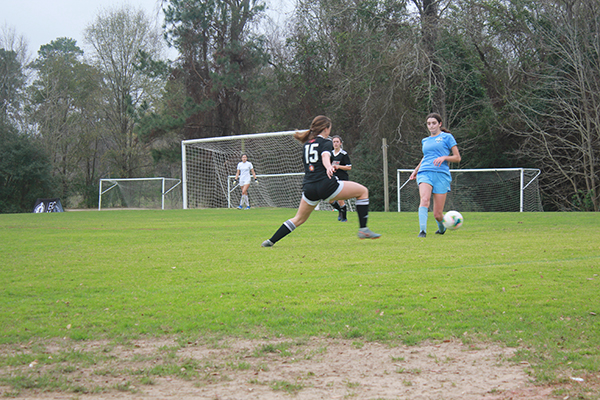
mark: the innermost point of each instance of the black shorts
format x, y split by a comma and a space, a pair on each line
325, 189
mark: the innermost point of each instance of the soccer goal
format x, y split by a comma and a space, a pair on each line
209, 165
143, 193
499, 189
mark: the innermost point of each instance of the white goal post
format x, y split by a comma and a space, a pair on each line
485, 189
146, 193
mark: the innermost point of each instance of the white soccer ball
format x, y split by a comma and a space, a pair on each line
453, 220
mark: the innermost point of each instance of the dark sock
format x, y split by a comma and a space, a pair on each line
344, 210
362, 208
336, 205
285, 229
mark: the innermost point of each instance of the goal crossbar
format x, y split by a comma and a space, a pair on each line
236, 137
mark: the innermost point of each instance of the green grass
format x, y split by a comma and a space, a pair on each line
529, 280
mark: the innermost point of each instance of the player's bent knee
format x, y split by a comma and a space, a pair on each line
363, 192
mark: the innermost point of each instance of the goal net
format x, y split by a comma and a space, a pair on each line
210, 164
265, 193
142, 193
500, 189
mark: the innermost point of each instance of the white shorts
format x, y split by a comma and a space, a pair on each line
244, 182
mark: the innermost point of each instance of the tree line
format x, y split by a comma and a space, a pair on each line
516, 81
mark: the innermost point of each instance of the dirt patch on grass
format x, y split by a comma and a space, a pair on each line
268, 369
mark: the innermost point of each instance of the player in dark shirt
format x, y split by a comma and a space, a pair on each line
320, 183
341, 162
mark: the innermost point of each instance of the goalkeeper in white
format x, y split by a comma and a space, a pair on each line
244, 169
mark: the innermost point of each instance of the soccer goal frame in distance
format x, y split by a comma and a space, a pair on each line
140, 193
480, 189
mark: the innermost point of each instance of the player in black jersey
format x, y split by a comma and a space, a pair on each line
341, 162
320, 183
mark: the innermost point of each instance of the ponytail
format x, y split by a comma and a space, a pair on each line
318, 125
302, 137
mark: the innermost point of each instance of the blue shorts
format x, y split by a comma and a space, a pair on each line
438, 180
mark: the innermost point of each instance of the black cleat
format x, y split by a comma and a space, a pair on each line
422, 234
440, 233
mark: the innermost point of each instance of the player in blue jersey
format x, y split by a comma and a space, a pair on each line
433, 172
321, 184
341, 162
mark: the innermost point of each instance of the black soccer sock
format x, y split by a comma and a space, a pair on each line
336, 205
344, 210
285, 229
362, 208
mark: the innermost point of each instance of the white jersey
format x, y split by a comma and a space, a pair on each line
245, 168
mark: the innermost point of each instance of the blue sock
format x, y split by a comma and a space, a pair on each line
441, 226
423, 218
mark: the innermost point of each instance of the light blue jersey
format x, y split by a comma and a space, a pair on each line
434, 147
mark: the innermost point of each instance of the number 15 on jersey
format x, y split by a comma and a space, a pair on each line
311, 155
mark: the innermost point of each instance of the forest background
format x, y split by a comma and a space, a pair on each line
516, 81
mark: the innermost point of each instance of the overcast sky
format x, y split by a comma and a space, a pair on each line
41, 21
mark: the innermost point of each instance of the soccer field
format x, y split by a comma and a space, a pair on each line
529, 280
